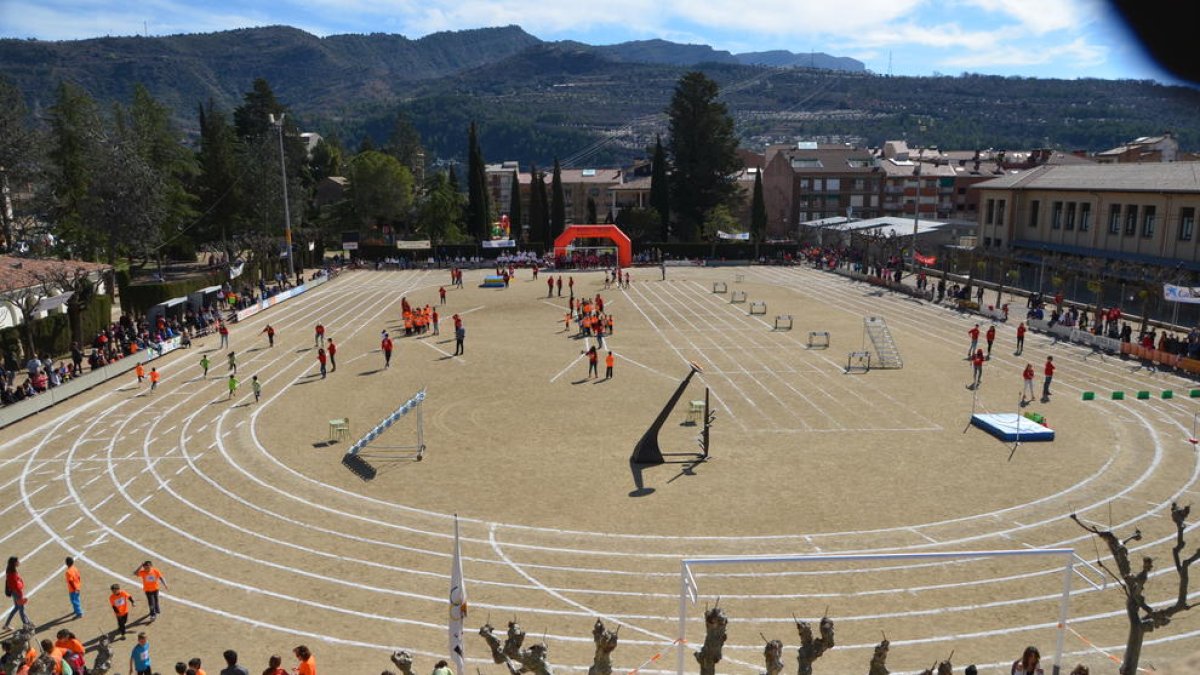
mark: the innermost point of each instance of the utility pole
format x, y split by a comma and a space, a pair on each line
287, 214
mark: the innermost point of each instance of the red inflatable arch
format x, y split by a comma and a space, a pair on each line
610, 232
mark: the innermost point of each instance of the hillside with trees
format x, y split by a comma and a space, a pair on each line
587, 105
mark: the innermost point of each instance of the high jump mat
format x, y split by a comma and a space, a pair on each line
1012, 427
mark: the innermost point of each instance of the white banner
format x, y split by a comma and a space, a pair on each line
499, 243
415, 245
1187, 294
458, 606
742, 236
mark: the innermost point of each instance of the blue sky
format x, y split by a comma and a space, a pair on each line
1031, 38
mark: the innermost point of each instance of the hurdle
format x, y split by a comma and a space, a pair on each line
758, 307
783, 322
412, 404
858, 361
737, 296
818, 339
739, 278
720, 287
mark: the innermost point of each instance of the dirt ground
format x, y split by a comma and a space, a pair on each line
268, 539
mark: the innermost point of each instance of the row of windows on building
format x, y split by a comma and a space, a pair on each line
1123, 219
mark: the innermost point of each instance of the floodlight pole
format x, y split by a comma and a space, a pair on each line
916, 217
287, 214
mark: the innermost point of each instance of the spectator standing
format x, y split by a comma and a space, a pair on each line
321, 358
307, 662
974, 333
460, 334
1048, 371
120, 600
139, 656
151, 580
74, 584
231, 664
977, 366
1027, 376
223, 331
1020, 338
1029, 663
14, 587
332, 351
990, 337
386, 345
319, 337
274, 666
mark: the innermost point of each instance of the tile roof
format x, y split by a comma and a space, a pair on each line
1154, 177
16, 273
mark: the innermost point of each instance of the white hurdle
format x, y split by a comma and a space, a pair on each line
689, 590
412, 404
818, 339
758, 307
737, 296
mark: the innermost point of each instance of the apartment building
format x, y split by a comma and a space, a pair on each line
809, 181
1142, 214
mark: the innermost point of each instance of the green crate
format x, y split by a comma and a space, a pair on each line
1089, 396
1195, 393
1167, 393
1118, 396
1143, 395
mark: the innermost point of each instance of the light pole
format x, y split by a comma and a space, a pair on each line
916, 217
287, 214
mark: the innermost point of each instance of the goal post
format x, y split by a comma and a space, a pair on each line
689, 590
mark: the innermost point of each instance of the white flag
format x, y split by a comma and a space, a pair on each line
458, 606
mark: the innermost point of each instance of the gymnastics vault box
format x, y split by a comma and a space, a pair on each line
1012, 427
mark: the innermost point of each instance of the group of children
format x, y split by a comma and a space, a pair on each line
977, 357
420, 320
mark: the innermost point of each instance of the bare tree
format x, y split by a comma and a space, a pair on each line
403, 660
517, 660
606, 642
879, 659
773, 656
25, 301
1143, 617
811, 649
709, 656
83, 290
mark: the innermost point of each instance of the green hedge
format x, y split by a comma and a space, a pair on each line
137, 299
52, 335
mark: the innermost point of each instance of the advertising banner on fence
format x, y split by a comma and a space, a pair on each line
1188, 294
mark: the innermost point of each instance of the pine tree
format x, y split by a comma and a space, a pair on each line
75, 135
703, 151
478, 209
216, 186
660, 188
514, 207
558, 209
19, 159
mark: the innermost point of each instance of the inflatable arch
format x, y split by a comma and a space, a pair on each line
610, 232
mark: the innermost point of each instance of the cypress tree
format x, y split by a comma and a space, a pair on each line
660, 188
537, 207
478, 209
758, 211
514, 206
558, 209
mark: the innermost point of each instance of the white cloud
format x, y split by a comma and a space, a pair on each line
1044, 16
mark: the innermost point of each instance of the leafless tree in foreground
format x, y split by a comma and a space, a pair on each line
606, 642
517, 660
715, 634
1143, 617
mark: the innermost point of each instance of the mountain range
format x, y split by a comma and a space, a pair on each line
536, 100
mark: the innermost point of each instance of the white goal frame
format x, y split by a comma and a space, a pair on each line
688, 589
